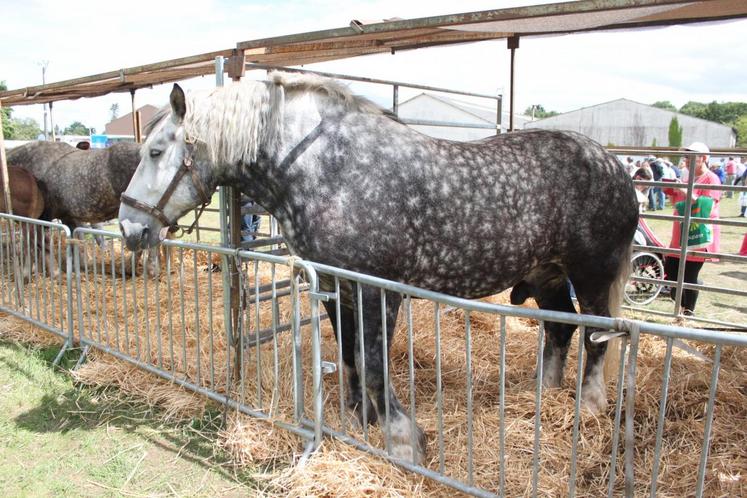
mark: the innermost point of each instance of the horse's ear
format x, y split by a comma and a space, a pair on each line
178, 103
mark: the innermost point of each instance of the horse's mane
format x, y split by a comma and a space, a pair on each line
332, 88
234, 120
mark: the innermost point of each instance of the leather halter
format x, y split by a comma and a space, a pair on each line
157, 210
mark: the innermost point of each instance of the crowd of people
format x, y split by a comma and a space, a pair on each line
725, 172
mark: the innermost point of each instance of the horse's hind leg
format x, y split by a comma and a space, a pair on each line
593, 297
406, 444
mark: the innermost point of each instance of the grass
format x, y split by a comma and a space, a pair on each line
60, 440
729, 275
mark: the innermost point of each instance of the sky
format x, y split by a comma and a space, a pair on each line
703, 62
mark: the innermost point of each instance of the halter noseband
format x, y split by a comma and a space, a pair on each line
157, 210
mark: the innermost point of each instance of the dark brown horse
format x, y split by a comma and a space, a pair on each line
25, 196
26, 199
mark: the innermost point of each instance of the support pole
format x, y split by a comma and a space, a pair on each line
4, 166
395, 99
498, 114
51, 123
236, 69
9, 209
513, 44
136, 129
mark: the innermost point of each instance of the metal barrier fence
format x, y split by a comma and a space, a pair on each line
426, 391
175, 326
35, 281
458, 371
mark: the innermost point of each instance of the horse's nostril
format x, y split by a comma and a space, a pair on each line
144, 234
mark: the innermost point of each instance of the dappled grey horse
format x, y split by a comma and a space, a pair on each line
354, 188
80, 187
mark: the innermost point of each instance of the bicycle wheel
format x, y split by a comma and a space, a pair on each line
645, 265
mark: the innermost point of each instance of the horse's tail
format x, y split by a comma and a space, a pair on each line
617, 289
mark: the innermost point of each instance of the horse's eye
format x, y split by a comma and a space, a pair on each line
155, 153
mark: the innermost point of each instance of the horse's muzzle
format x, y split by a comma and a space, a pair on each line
136, 236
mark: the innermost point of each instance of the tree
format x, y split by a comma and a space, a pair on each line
741, 127
25, 129
114, 110
664, 104
725, 112
695, 109
538, 112
7, 123
77, 128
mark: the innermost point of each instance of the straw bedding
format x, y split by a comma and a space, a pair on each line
339, 470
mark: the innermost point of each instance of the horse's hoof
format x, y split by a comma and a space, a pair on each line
551, 379
402, 445
594, 398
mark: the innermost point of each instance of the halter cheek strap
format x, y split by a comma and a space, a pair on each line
157, 210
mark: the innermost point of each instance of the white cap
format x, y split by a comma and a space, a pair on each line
698, 147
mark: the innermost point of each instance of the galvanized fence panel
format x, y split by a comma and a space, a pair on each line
443, 386
461, 387
176, 325
35, 278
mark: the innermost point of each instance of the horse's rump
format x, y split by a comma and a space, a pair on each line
25, 195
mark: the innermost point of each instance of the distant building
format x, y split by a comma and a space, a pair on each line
429, 107
624, 122
122, 126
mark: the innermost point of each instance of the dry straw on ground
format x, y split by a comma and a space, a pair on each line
339, 470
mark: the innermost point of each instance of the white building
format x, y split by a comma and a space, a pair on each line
429, 107
624, 122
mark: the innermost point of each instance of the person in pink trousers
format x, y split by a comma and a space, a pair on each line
693, 264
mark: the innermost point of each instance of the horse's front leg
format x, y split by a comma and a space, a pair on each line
407, 439
346, 336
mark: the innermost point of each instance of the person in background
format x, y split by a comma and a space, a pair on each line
718, 170
630, 167
676, 170
698, 166
655, 195
731, 175
641, 191
742, 180
249, 222
668, 175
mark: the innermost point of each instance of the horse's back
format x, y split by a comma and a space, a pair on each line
80, 185
468, 218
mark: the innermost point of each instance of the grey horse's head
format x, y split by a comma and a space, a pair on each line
162, 190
